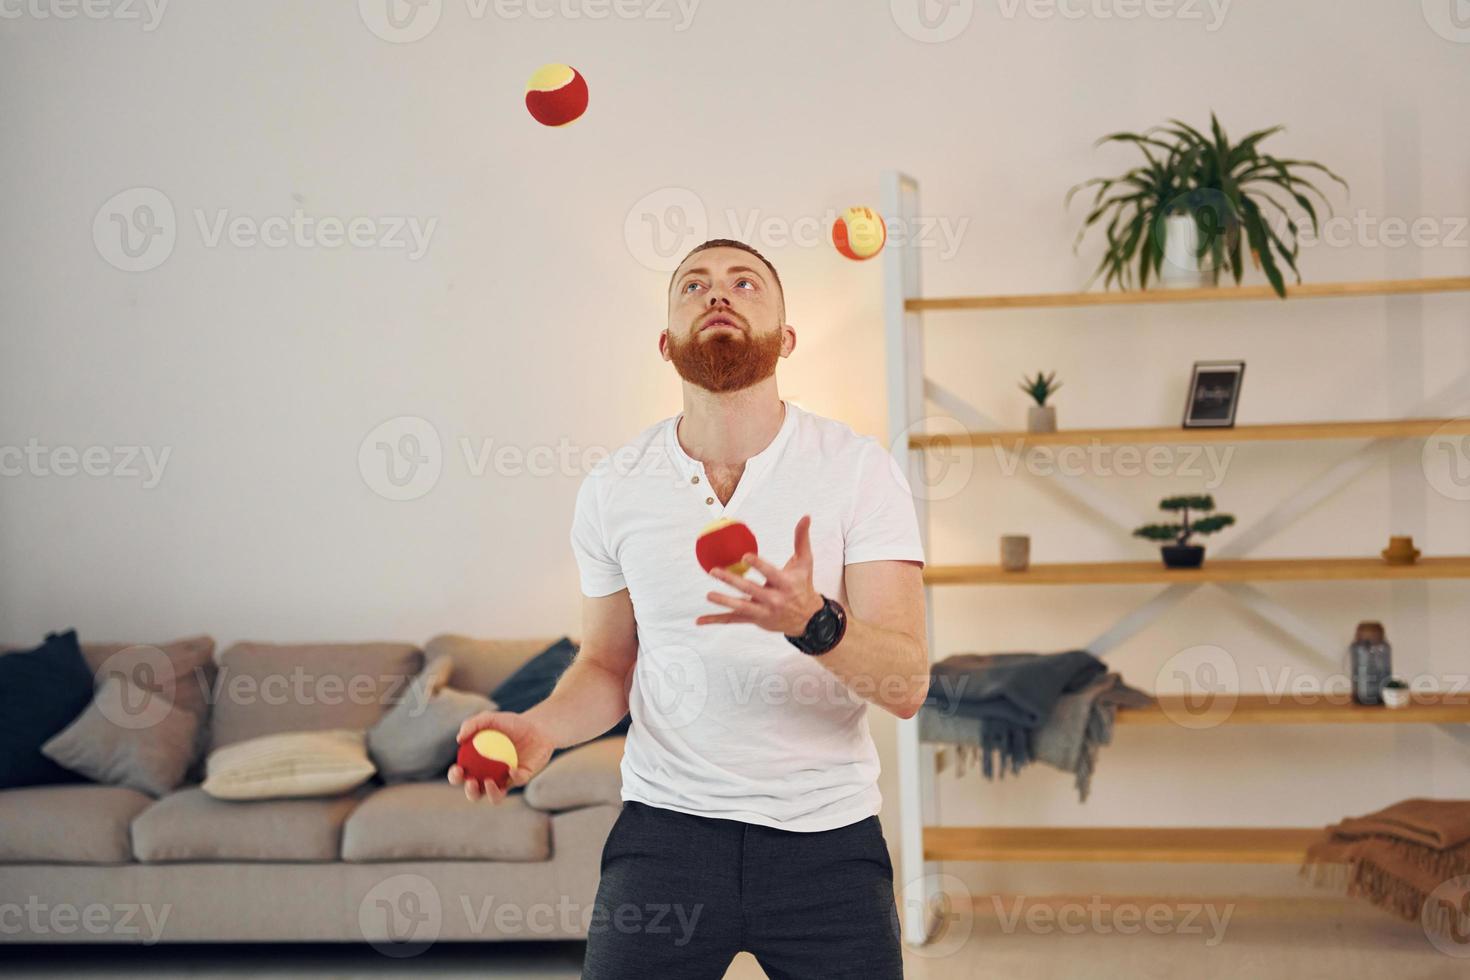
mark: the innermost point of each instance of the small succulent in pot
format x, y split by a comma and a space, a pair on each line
1182, 554
1041, 417
1394, 693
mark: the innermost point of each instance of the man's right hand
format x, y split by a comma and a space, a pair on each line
533, 751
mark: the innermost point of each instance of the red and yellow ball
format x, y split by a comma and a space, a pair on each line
488, 756
859, 233
722, 544
556, 95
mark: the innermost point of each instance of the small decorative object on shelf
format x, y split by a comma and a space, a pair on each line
1372, 662
1015, 552
1041, 417
1182, 554
1395, 693
1226, 190
1214, 391
1401, 550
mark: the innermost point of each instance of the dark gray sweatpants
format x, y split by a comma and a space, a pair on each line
680, 895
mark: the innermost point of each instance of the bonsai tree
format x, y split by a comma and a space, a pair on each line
1040, 387
1181, 532
1230, 189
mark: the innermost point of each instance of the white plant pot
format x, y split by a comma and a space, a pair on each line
1180, 268
1041, 418
1395, 697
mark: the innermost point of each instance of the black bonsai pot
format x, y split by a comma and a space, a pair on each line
1183, 555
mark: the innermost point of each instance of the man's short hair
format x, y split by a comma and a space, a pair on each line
732, 243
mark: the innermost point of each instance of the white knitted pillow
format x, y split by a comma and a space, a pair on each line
287, 764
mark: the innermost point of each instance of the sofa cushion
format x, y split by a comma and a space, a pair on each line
191, 825
289, 764
416, 739
41, 692
434, 821
483, 665
182, 669
583, 775
76, 824
128, 736
534, 681
267, 688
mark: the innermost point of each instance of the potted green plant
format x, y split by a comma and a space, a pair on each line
1041, 417
1197, 203
1182, 554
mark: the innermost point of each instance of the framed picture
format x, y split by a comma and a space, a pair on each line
1214, 390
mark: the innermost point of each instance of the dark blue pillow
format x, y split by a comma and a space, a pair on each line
534, 682
41, 692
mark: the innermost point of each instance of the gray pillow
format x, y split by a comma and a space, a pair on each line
128, 736
415, 739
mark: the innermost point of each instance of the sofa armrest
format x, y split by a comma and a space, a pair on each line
583, 775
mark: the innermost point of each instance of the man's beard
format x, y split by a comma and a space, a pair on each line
726, 361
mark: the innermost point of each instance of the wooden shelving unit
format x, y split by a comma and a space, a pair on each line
1213, 570
1224, 845
922, 838
1264, 709
1167, 435
1212, 294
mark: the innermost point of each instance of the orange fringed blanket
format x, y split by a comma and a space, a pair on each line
1411, 858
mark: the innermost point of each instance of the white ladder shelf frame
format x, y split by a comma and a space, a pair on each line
909, 391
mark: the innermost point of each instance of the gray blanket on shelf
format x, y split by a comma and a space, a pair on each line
1053, 708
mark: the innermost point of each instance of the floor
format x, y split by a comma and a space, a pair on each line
1007, 938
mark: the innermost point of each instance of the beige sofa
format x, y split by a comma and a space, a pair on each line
397, 865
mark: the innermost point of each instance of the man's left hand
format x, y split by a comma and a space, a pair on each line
783, 603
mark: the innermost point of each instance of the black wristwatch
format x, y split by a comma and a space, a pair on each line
823, 631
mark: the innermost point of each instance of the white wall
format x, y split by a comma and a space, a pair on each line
531, 320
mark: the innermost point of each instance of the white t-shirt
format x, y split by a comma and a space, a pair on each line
728, 719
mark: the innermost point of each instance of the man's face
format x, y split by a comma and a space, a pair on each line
726, 328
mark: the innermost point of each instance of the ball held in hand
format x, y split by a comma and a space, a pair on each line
488, 756
721, 545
